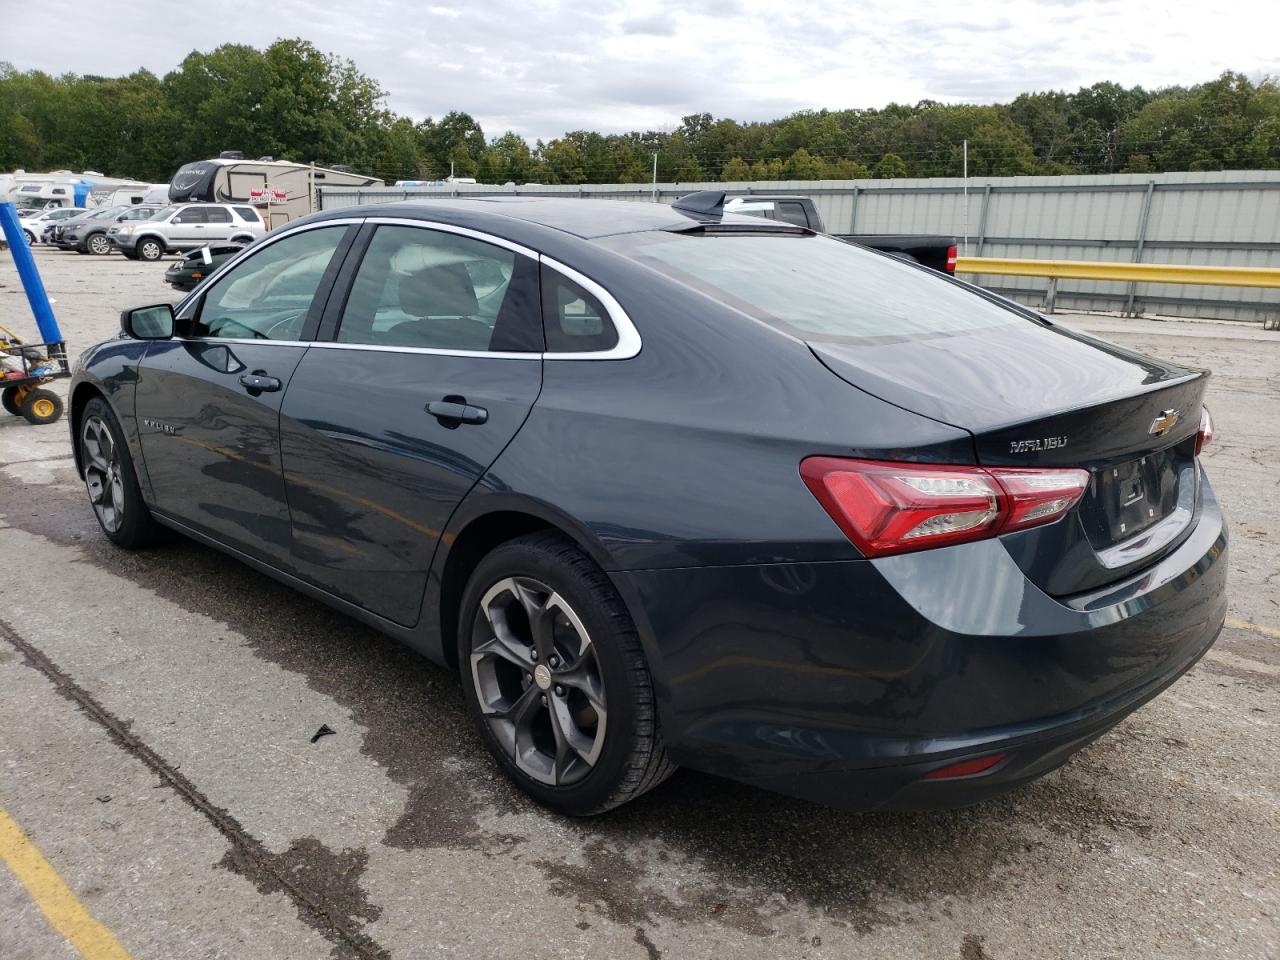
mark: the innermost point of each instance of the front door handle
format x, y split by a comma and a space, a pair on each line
452, 411
257, 382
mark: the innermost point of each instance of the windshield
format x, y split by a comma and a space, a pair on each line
165, 212
108, 212
814, 287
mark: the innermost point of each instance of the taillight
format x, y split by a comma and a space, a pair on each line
951, 258
1206, 430
887, 508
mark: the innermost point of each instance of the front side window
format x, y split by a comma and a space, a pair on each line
191, 215
425, 288
268, 296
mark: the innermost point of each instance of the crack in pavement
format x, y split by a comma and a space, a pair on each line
249, 856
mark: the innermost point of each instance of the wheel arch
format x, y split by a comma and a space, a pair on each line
81, 394
472, 536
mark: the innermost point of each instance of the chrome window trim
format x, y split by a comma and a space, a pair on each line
628, 345
450, 228
434, 351
260, 244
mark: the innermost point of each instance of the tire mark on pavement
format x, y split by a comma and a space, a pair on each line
247, 854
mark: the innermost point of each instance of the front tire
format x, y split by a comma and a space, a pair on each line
150, 250
31, 238
111, 481
555, 678
99, 245
40, 407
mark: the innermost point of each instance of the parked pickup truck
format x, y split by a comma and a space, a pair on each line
936, 252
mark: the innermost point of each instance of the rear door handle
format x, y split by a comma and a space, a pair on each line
452, 411
257, 383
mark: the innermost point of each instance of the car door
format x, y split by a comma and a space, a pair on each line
208, 401
422, 373
218, 225
186, 228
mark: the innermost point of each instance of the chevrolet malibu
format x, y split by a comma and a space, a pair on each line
669, 486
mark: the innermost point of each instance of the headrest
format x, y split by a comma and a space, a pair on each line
438, 291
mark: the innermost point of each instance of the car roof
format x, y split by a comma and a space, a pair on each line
585, 218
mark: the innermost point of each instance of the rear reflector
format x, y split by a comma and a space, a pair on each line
951, 258
886, 508
966, 768
1206, 430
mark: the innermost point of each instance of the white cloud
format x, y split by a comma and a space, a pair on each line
543, 68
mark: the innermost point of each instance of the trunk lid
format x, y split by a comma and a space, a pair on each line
1040, 395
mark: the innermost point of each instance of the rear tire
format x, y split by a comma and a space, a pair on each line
111, 481
555, 678
150, 249
9, 399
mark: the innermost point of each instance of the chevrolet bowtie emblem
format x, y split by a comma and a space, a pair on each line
1162, 424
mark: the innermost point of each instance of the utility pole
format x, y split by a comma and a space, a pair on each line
655, 176
450, 169
966, 198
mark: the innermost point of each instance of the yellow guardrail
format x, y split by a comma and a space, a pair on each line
1125, 272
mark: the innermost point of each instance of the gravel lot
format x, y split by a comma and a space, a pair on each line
157, 709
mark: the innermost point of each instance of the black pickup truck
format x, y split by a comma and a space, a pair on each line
936, 252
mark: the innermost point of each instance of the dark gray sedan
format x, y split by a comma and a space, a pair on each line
670, 486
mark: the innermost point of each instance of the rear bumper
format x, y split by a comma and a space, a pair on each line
848, 682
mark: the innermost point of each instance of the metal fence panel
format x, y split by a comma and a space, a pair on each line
1227, 218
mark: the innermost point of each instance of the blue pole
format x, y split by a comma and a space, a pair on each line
31, 282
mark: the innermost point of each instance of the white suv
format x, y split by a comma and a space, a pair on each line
187, 226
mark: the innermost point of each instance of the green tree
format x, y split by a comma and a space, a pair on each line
890, 166
735, 169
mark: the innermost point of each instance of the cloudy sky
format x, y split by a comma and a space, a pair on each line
542, 68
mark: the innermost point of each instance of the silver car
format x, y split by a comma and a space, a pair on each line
187, 226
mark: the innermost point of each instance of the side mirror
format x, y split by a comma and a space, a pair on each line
148, 323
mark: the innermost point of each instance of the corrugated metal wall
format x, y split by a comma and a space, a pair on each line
1228, 218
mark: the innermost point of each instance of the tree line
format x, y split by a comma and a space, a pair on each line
293, 101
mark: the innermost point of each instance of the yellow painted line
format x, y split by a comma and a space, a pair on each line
1137, 272
65, 913
1255, 627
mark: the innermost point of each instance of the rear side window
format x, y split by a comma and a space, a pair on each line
574, 320
814, 287
217, 215
434, 290
792, 212
248, 214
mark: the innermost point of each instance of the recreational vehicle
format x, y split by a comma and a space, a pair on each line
286, 189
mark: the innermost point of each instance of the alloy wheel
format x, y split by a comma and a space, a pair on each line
150, 250
102, 473
538, 681
99, 245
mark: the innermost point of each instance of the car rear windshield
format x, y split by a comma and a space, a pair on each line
815, 288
